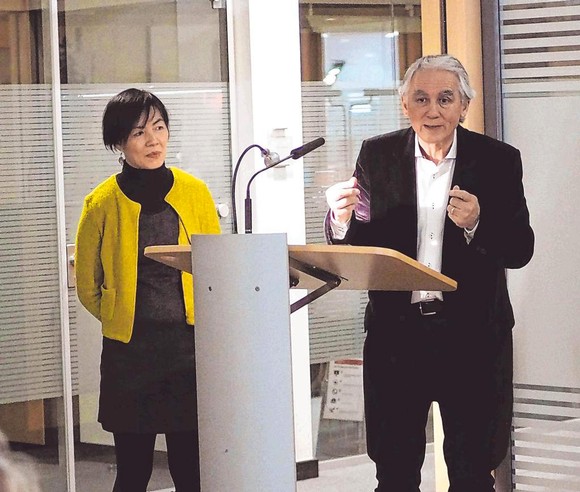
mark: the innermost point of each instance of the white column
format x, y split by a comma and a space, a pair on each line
264, 60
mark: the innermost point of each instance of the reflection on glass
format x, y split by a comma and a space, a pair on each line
21, 43
362, 59
142, 41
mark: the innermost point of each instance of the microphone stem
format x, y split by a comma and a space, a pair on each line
234, 213
248, 214
261, 171
248, 200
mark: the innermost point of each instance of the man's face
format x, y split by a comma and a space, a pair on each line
433, 104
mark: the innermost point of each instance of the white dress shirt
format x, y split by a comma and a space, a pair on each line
433, 185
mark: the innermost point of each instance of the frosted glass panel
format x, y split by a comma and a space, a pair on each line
541, 83
539, 43
30, 354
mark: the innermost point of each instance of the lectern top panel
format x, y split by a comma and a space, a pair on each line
173, 255
360, 267
369, 268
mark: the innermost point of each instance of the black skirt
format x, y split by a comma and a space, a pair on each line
148, 385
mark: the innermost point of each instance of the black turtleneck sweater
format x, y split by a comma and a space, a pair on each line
159, 290
146, 186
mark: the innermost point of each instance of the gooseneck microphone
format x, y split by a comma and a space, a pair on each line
296, 153
271, 159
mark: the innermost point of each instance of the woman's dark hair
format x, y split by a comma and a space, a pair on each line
124, 111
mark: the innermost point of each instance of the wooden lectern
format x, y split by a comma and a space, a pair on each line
243, 350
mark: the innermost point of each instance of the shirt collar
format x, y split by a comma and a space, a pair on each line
452, 154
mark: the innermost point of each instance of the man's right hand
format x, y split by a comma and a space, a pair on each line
342, 198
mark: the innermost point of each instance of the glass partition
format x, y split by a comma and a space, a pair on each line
176, 50
540, 54
31, 357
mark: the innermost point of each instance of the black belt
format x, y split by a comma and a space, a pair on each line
429, 308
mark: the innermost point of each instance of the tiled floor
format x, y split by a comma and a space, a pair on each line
340, 449
96, 476
357, 474
352, 474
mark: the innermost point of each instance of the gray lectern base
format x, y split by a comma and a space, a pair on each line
243, 357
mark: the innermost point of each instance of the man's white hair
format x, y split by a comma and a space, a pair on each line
439, 62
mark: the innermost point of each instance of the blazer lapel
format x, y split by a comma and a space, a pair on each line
465, 161
463, 176
408, 174
405, 184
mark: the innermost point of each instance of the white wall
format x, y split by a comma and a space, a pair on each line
264, 54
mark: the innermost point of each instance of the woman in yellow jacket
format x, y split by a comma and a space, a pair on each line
145, 308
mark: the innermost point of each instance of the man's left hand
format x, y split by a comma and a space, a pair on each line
463, 208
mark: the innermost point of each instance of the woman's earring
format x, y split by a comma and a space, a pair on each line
121, 159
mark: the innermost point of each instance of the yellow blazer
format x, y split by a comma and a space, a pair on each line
107, 247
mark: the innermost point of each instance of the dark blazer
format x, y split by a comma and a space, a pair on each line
485, 167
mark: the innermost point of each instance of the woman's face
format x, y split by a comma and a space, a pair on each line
146, 146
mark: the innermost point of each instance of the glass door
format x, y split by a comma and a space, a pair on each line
49, 345
177, 51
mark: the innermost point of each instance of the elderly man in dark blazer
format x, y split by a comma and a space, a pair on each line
454, 200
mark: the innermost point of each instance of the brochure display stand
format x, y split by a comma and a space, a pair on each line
243, 349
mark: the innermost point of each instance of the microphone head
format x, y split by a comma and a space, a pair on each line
306, 148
